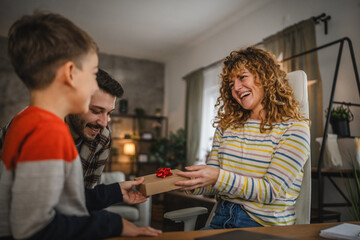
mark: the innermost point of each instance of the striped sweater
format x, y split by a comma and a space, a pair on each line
41, 186
261, 171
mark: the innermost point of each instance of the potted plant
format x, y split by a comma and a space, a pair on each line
170, 152
354, 195
353, 185
339, 120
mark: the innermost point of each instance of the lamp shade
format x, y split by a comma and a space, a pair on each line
129, 148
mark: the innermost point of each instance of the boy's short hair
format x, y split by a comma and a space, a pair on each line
40, 43
108, 84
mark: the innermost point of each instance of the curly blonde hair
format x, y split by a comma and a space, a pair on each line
279, 104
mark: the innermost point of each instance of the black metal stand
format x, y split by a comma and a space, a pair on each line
318, 174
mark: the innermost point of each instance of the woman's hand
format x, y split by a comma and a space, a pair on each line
200, 176
129, 195
130, 230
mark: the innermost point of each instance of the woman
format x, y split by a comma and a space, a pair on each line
260, 145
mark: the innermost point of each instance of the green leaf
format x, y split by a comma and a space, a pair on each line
170, 151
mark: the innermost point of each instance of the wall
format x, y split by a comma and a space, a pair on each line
142, 80
263, 22
13, 94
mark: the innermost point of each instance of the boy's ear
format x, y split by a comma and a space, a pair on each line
68, 73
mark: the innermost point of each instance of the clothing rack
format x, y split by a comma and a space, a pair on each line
319, 171
347, 103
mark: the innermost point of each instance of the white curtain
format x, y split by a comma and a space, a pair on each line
194, 98
212, 83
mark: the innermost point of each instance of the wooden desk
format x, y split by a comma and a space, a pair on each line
304, 231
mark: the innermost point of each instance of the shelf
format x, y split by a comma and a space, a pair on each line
135, 116
126, 128
134, 139
326, 215
333, 172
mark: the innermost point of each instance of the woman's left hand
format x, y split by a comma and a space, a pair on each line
200, 176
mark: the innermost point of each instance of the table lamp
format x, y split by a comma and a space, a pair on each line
129, 149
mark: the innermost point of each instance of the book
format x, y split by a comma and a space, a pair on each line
242, 234
342, 231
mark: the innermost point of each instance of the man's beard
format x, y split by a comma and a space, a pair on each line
78, 126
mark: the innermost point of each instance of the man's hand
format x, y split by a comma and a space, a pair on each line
129, 195
200, 176
130, 230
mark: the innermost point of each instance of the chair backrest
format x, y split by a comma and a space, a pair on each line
112, 177
298, 82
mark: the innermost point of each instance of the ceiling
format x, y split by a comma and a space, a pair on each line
146, 29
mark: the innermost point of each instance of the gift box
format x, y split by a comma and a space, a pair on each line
154, 185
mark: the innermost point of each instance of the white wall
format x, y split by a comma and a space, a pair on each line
272, 17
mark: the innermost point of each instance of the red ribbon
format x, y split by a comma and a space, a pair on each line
163, 172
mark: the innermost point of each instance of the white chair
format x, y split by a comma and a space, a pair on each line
139, 214
298, 82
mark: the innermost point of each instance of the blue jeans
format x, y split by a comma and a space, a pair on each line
230, 215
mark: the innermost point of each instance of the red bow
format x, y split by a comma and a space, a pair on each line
163, 172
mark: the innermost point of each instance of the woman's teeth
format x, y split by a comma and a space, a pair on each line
244, 95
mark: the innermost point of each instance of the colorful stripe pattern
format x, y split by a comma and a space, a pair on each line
261, 171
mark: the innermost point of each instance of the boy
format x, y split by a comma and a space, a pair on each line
41, 186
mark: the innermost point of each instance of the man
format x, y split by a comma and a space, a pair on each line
90, 131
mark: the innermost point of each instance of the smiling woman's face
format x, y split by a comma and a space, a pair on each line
247, 92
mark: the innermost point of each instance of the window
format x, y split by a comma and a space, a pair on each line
210, 95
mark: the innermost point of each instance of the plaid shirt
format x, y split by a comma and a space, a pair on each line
93, 155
